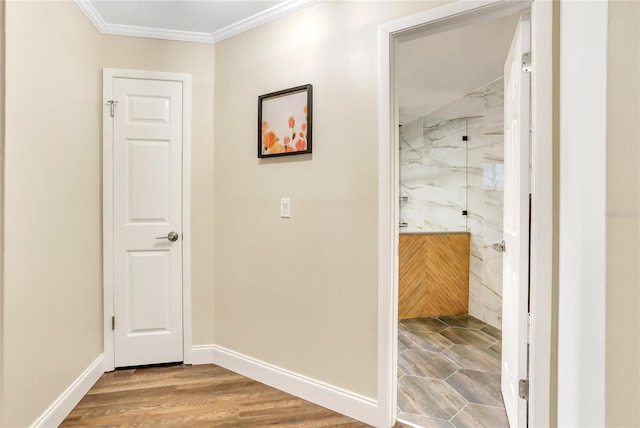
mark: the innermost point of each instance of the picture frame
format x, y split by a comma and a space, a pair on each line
285, 122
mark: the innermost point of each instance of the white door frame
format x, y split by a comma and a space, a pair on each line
107, 205
542, 254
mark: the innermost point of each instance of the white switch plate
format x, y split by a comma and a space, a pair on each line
285, 207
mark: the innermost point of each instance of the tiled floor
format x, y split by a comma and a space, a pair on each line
449, 373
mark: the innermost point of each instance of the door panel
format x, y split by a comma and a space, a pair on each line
147, 165
516, 225
148, 292
147, 154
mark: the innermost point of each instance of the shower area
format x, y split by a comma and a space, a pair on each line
451, 203
434, 240
450, 270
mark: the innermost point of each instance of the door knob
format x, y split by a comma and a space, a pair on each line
171, 236
499, 247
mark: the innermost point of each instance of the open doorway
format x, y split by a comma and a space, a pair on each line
432, 22
450, 88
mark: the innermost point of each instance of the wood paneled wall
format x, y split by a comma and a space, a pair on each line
433, 275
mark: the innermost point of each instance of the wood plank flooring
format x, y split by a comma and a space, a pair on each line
203, 395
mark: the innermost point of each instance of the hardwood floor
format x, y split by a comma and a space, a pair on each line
203, 395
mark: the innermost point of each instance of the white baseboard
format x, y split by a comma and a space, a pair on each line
64, 404
332, 397
202, 354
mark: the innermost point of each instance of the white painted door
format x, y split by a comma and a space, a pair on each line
516, 225
147, 207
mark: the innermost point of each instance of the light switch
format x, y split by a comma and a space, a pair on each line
285, 207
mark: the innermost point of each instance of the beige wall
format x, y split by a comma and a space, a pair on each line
53, 194
623, 219
298, 293
2, 6
198, 60
301, 293
53, 243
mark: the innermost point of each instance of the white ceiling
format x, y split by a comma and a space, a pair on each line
431, 71
435, 70
206, 21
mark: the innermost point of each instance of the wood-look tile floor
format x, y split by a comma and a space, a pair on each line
203, 395
449, 373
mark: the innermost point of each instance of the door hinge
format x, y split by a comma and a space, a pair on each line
113, 322
112, 106
526, 62
523, 389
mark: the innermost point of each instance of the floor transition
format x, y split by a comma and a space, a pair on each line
449, 373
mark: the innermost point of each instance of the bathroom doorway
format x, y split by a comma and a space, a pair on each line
450, 88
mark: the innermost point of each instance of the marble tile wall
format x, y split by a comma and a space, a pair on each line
433, 175
433, 178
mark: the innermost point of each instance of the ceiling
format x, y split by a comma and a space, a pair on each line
431, 71
205, 21
430, 76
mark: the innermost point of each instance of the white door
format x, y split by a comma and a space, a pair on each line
147, 210
516, 225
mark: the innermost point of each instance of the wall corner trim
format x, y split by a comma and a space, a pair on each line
348, 403
65, 403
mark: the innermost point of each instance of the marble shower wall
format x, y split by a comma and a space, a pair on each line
432, 167
433, 175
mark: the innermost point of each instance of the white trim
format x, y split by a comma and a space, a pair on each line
387, 235
96, 19
202, 354
348, 403
435, 20
187, 318
582, 217
261, 18
247, 24
64, 404
108, 75
107, 222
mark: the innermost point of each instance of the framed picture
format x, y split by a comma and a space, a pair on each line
284, 122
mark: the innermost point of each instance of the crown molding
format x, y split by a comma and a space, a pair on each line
261, 18
247, 24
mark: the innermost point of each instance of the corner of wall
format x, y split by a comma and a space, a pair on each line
52, 329
64, 404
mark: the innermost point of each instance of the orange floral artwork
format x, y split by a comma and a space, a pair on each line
284, 120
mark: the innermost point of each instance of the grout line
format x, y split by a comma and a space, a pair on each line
445, 379
459, 367
488, 405
454, 363
461, 409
